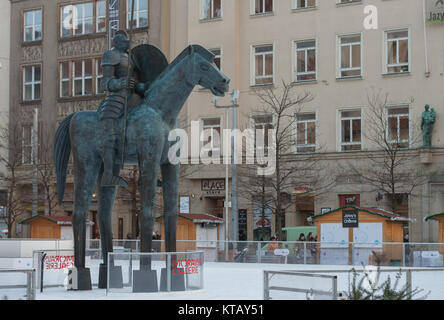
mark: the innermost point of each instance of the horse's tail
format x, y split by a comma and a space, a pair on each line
62, 150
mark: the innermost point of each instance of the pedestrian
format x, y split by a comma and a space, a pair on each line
312, 247
273, 245
406, 249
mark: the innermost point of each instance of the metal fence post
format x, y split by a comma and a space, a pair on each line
107, 272
305, 253
403, 254
28, 286
168, 272
259, 253
409, 282
266, 286
335, 288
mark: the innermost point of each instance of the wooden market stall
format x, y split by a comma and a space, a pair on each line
440, 218
195, 228
350, 235
52, 227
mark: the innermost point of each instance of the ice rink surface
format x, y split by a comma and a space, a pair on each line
233, 281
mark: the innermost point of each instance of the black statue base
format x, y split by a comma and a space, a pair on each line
79, 279
177, 281
145, 281
115, 277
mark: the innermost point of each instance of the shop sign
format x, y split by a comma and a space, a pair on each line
213, 187
350, 219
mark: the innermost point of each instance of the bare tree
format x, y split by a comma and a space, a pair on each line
391, 167
273, 192
13, 153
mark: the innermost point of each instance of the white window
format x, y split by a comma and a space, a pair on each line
261, 6
348, 1
217, 57
64, 79
263, 64
140, 18
305, 60
397, 51
212, 144
77, 19
350, 56
99, 76
101, 16
398, 126
211, 9
263, 123
304, 4
82, 78
351, 130
32, 25
306, 132
27, 145
31, 83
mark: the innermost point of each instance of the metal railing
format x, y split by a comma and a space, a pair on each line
269, 274
30, 282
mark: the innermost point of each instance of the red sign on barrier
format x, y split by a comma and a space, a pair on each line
59, 262
186, 266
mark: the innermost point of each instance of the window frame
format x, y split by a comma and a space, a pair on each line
398, 117
350, 120
136, 14
203, 16
264, 13
295, 72
33, 25
306, 145
33, 83
94, 22
386, 64
205, 127
253, 80
296, 7
253, 124
350, 45
212, 49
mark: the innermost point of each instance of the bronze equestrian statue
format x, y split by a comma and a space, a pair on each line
160, 93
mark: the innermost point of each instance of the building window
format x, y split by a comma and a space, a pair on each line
83, 18
101, 16
32, 25
80, 78
263, 6
217, 57
351, 130
263, 64
140, 18
99, 76
27, 145
397, 51
212, 135
306, 132
306, 60
348, 1
31, 83
399, 126
263, 123
350, 56
212, 9
304, 4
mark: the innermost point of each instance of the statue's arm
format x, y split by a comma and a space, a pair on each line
109, 83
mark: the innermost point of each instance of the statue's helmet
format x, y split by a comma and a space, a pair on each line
120, 41
427, 107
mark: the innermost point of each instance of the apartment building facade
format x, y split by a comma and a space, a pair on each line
339, 52
57, 47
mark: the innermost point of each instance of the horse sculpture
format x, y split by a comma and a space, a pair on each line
148, 126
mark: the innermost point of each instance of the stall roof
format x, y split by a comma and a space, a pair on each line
198, 218
433, 216
375, 211
62, 220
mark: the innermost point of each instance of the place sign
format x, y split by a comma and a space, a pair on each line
350, 219
434, 11
213, 186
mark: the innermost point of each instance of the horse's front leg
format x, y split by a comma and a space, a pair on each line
170, 180
149, 171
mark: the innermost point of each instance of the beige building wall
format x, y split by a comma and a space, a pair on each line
237, 31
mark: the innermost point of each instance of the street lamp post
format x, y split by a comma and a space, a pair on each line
233, 106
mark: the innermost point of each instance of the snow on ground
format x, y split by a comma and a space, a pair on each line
233, 281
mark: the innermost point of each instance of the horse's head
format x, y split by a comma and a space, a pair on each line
206, 73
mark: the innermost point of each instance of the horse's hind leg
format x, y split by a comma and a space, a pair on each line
85, 178
170, 180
